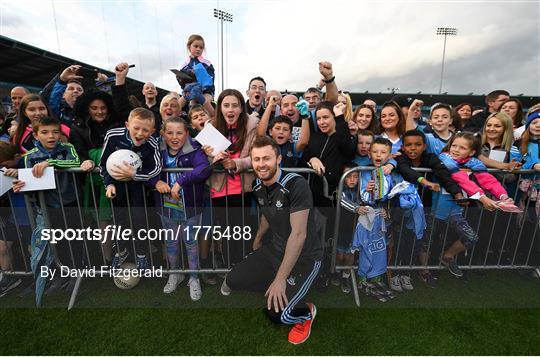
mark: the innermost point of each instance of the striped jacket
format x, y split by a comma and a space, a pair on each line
118, 139
63, 155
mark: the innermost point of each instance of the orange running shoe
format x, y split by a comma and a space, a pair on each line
301, 331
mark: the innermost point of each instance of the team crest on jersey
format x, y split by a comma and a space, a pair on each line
279, 204
261, 201
289, 154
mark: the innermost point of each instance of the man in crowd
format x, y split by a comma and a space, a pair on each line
285, 263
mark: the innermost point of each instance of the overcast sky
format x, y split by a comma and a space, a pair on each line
373, 45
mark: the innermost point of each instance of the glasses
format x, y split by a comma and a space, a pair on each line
262, 89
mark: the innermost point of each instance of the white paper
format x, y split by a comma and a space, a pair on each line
32, 183
497, 155
5, 183
210, 136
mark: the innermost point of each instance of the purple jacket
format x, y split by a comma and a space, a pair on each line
190, 156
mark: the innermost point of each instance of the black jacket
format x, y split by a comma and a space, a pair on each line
429, 161
334, 151
118, 139
87, 134
476, 122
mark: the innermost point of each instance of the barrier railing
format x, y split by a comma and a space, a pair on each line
514, 250
89, 211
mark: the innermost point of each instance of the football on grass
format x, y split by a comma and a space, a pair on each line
127, 278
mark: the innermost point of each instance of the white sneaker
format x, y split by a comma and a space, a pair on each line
225, 290
406, 282
195, 291
172, 283
395, 284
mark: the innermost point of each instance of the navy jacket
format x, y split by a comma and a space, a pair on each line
118, 139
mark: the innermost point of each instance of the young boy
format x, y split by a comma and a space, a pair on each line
61, 202
350, 202
128, 196
281, 131
414, 154
371, 232
13, 217
365, 139
197, 116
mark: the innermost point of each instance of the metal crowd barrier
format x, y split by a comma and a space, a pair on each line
508, 249
86, 212
512, 250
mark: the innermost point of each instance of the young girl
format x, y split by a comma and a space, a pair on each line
180, 199
232, 188
460, 153
201, 68
32, 108
529, 147
392, 124
457, 154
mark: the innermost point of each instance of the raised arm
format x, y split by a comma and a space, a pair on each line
262, 127
411, 123
119, 91
325, 68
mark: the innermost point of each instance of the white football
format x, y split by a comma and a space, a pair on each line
119, 156
127, 279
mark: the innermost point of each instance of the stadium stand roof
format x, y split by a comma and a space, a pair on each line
32, 67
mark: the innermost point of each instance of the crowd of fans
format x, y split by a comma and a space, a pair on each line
68, 125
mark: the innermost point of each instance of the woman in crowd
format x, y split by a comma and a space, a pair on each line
363, 119
463, 111
392, 124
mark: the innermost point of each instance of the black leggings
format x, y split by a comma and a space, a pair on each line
258, 270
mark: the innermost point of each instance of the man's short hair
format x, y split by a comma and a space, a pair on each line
142, 114
44, 122
492, 96
313, 90
382, 141
281, 119
258, 78
262, 141
414, 132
